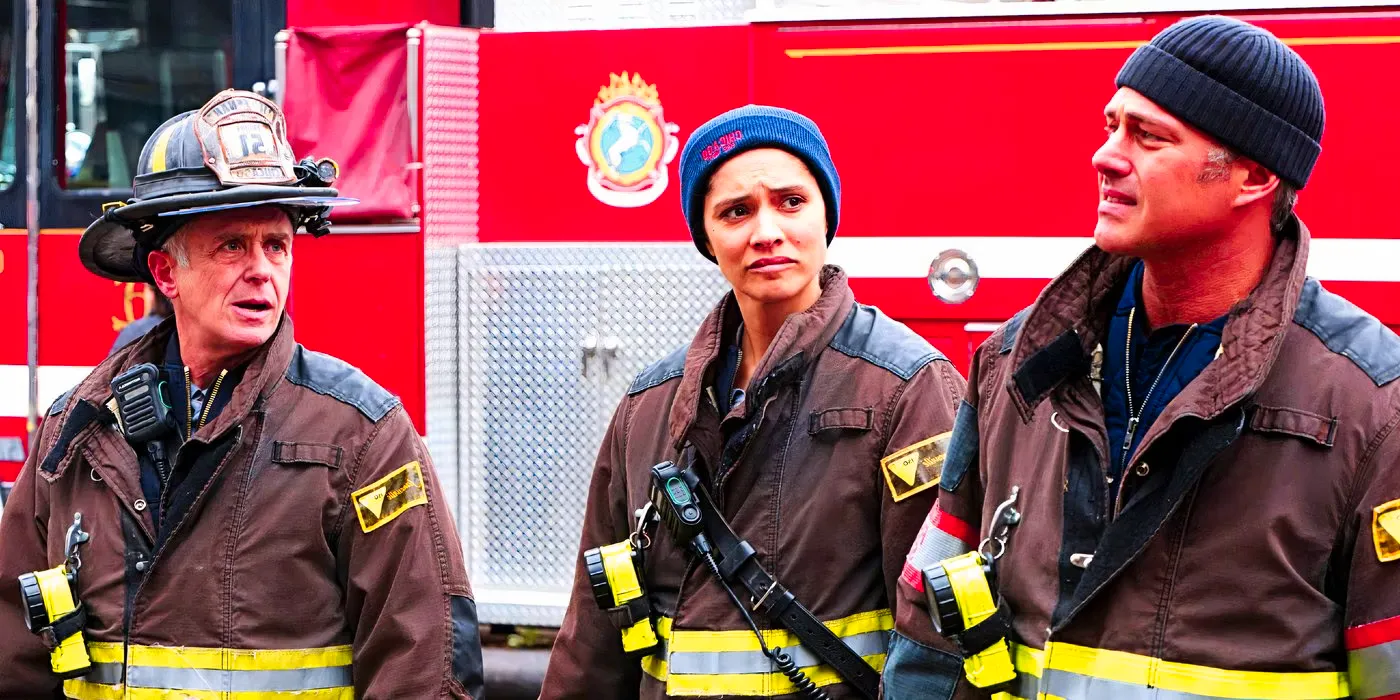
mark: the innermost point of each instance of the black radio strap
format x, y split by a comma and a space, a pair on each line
773, 601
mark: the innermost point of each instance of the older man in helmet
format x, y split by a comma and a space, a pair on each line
217, 509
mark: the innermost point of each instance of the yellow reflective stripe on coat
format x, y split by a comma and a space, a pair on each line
1070, 671
730, 662
150, 672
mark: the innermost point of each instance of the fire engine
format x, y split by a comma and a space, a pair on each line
519, 253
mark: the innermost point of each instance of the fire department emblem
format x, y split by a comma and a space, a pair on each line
627, 144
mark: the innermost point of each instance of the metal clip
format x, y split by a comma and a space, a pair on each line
640, 538
758, 604
76, 536
1005, 518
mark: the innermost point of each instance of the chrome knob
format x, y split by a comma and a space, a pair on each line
953, 276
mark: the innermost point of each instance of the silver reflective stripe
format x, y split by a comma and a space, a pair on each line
1375, 670
726, 662
106, 674
1073, 685
238, 681
936, 546
1026, 686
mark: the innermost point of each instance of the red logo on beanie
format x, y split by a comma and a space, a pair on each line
721, 145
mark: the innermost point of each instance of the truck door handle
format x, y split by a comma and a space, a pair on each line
610, 346
589, 348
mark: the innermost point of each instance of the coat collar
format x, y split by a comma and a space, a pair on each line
1070, 318
260, 375
799, 340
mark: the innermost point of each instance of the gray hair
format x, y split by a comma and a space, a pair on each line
1217, 167
175, 246
1285, 198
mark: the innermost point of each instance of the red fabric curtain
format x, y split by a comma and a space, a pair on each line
346, 98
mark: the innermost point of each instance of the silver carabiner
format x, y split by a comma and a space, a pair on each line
72, 562
1003, 519
640, 537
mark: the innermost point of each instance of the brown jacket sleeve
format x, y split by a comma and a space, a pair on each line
921, 663
23, 549
407, 596
923, 412
1372, 613
587, 660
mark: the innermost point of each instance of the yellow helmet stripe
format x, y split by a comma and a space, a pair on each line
158, 150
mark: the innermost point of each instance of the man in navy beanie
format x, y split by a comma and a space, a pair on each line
1174, 475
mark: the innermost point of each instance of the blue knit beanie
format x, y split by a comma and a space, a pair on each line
1239, 84
744, 129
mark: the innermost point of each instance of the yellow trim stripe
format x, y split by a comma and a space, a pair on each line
752, 684
1054, 46
158, 164
744, 640
1027, 659
755, 684
105, 652
316, 694
961, 48
213, 659
1190, 678
240, 659
655, 665
83, 690
1204, 681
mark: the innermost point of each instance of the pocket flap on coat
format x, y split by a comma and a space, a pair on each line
1297, 422
841, 419
307, 453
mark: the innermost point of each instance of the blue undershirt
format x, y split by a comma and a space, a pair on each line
1150, 352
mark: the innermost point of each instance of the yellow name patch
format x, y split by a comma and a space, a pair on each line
1385, 526
916, 467
388, 498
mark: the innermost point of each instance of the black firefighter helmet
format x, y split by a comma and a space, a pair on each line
232, 153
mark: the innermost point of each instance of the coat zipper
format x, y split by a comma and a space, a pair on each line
190, 426
1135, 415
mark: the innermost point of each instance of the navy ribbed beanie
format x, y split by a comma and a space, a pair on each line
744, 129
1239, 84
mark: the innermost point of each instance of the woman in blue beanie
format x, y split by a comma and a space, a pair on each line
816, 425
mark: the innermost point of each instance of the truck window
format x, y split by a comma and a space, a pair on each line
11, 79
129, 65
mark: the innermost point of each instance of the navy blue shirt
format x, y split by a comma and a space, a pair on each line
173, 393
727, 396
1150, 352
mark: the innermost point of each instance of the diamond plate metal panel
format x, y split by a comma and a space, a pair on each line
440, 353
450, 181
451, 166
652, 306
535, 401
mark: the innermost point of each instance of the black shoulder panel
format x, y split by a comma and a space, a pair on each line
61, 402
78, 418
670, 367
1011, 328
337, 379
1349, 331
872, 336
